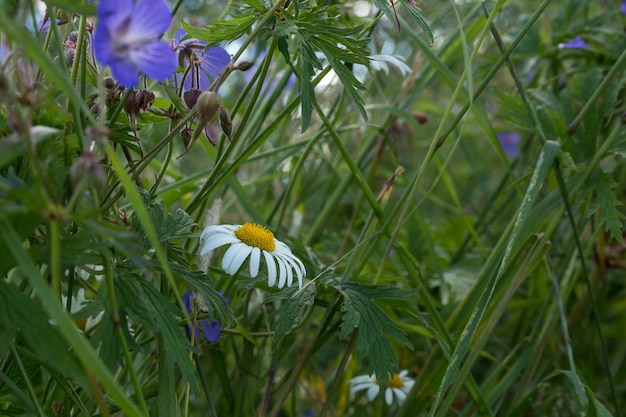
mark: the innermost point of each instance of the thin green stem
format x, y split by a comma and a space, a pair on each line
54, 230
117, 327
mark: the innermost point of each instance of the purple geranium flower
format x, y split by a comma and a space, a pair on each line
509, 142
576, 43
622, 7
127, 39
211, 329
202, 62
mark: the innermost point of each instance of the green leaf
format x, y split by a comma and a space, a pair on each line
213, 299
170, 226
604, 202
319, 30
290, 312
222, 30
374, 325
73, 6
22, 313
177, 347
419, 18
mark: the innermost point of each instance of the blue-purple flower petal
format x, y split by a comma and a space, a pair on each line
127, 39
215, 60
125, 72
114, 13
211, 330
576, 43
155, 59
150, 19
509, 142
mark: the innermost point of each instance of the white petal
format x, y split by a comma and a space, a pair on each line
361, 379
373, 391
271, 268
388, 396
400, 394
408, 384
283, 273
361, 386
217, 241
234, 257
255, 260
216, 229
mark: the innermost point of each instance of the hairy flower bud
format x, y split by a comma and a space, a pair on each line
208, 106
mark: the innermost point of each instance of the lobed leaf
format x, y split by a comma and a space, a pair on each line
373, 324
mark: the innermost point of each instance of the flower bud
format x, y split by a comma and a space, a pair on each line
245, 66
130, 106
109, 83
208, 106
225, 123
185, 136
191, 97
144, 99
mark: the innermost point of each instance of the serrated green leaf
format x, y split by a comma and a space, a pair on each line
605, 203
170, 226
419, 18
374, 325
318, 30
213, 299
222, 30
257, 4
290, 312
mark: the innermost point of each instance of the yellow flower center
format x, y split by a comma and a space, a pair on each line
256, 235
395, 382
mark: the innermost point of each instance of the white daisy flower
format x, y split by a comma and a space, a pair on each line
252, 240
399, 385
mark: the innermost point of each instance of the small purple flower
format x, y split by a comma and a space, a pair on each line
127, 39
622, 7
509, 142
202, 62
211, 329
44, 23
576, 43
4, 50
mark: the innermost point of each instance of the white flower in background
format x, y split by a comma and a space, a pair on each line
399, 386
252, 240
382, 62
78, 303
